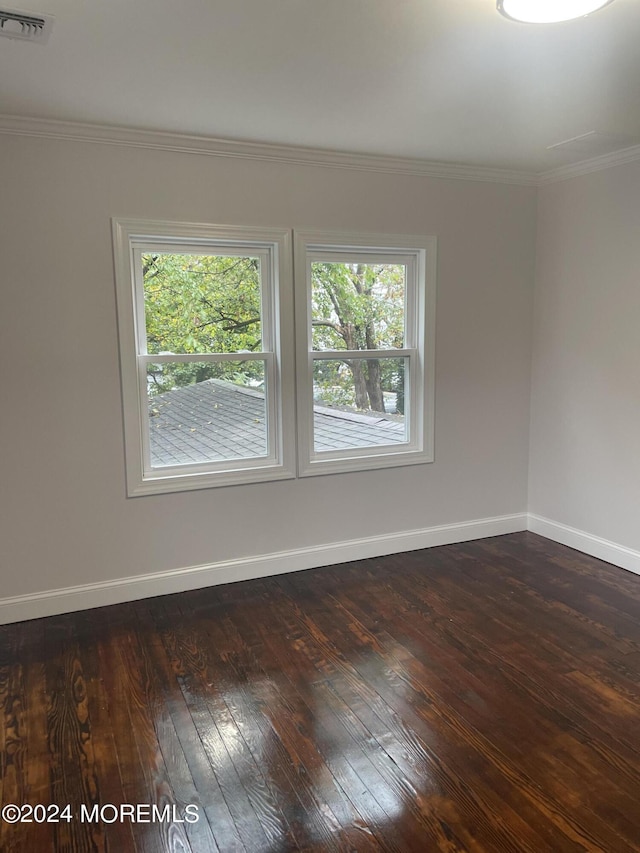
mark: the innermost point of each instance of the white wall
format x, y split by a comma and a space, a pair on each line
585, 428
65, 516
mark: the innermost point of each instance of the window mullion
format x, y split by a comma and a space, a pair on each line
143, 399
411, 306
365, 354
188, 358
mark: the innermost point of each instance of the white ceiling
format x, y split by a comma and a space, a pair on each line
445, 80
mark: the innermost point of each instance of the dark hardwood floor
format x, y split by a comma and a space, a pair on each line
474, 697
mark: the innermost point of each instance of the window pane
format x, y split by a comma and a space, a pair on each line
201, 303
357, 306
358, 403
206, 412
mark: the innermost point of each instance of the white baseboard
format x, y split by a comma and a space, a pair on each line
54, 601
595, 546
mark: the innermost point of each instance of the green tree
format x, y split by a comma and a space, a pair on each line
359, 307
201, 304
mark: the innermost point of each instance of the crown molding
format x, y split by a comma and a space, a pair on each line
593, 164
297, 155
186, 144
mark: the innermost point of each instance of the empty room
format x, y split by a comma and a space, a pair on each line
320, 426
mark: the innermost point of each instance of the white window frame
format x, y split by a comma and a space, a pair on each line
418, 253
131, 238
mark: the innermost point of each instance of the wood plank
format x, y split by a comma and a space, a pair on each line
217, 736
138, 752
360, 680
248, 695
24, 753
344, 777
160, 692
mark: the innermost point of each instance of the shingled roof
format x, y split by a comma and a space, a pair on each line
216, 420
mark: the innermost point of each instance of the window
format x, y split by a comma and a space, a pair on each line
201, 309
365, 323
207, 353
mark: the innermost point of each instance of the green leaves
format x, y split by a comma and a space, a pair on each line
201, 303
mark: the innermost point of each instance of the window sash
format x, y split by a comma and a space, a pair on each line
408, 261
267, 285
271, 416
266, 355
412, 426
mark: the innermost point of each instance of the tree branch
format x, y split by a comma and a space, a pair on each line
232, 325
329, 325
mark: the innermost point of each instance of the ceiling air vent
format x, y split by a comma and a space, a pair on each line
25, 25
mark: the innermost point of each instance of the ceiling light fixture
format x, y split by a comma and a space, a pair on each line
548, 11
